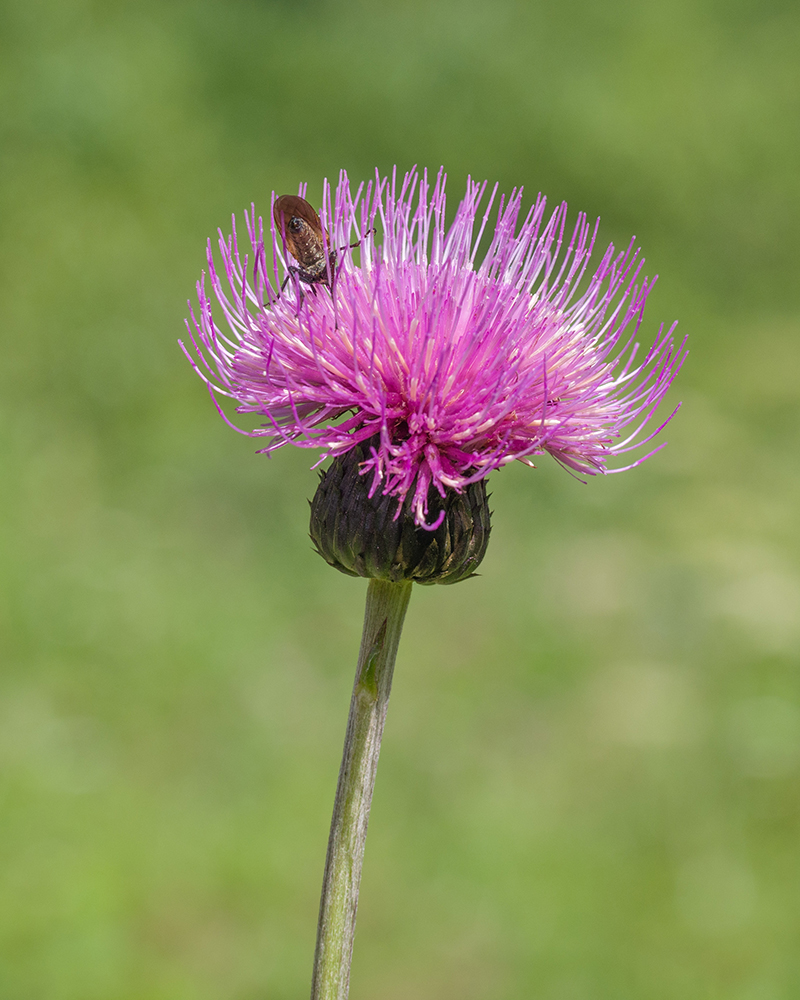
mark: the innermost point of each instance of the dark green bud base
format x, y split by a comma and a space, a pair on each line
359, 535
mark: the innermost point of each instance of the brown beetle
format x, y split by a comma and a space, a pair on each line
301, 231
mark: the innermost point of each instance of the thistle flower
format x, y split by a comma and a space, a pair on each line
449, 364
420, 368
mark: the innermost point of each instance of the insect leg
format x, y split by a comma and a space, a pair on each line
290, 273
352, 246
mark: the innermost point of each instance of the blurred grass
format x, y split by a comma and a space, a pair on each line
589, 786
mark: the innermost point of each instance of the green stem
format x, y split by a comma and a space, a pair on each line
383, 622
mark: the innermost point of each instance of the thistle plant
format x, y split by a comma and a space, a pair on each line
419, 363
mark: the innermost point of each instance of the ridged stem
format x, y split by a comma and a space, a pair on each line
383, 623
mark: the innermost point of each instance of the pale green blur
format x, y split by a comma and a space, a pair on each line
589, 782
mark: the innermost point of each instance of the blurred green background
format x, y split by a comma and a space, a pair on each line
589, 782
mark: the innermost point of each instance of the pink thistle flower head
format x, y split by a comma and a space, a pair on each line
439, 365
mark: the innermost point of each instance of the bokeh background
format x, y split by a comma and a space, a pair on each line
589, 782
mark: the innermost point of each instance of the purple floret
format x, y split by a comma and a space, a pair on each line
459, 365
